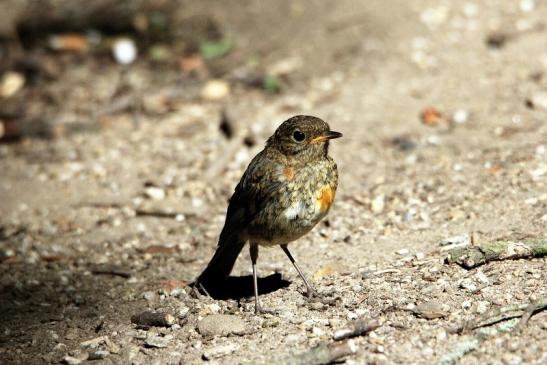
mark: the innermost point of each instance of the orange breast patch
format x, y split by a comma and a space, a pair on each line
326, 197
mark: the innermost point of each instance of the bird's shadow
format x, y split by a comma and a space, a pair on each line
238, 287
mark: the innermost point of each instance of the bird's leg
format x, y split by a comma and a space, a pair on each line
254, 256
253, 248
310, 290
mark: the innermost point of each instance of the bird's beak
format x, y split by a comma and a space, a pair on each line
326, 136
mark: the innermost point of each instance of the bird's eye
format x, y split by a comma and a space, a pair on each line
298, 136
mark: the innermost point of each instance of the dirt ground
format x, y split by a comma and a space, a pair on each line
98, 226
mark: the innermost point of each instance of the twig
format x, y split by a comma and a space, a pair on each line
112, 270
321, 354
471, 257
148, 319
159, 213
534, 307
141, 212
471, 344
358, 328
525, 311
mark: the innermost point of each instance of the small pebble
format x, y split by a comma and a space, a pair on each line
527, 6
538, 100
378, 204
221, 325
98, 355
124, 51
403, 252
456, 241
318, 332
482, 307
431, 310
155, 193
215, 90
219, 351
214, 308
468, 284
460, 116
158, 341
467, 304
11, 83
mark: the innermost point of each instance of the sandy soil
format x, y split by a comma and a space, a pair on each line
76, 206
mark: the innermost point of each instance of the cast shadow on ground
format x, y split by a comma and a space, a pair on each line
238, 287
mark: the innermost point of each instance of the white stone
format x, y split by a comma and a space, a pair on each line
378, 204
124, 51
154, 192
215, 90
527, 5
460, 116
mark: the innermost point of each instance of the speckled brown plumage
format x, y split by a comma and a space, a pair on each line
286, 190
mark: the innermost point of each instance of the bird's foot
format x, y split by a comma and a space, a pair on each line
315, 297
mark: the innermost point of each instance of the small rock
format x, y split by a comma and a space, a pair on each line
214, 308
221, 325
482, 277
219, 351
318, 332
75, 360
215, 90
434, 17
403, 252
527, 5
378, 204
455, 240
482, 306
538, 100
468, 284
431, 310
351, 316
460, 116
11, 83
154, 192
124, 51
98, 355
497, 39
183, 311
158, 341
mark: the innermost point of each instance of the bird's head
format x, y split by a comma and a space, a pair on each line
304, 136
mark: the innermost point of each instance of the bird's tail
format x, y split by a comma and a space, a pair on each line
222, 263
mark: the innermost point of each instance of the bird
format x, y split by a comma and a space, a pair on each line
285, 191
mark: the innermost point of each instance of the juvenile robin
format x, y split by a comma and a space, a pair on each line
286, 190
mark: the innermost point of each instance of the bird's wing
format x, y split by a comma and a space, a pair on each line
257, 187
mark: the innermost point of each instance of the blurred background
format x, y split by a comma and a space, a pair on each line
124, 127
